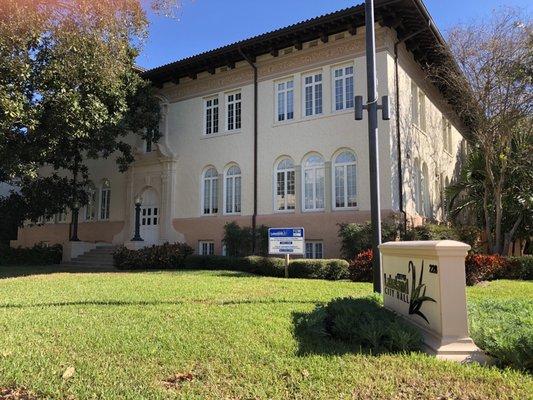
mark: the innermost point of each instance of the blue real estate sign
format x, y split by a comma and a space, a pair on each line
286, 241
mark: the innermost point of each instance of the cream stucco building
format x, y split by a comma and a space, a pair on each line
262, 132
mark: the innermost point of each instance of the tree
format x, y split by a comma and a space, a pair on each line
69, 92
492, 87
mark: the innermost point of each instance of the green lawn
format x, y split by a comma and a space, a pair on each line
125, 333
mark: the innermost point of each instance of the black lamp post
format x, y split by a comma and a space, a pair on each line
137, 237
372, 107
74, 223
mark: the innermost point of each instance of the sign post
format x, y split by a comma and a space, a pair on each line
286, 241
424, 282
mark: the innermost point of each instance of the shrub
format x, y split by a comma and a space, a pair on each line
39, 254
363, 323
483, 267
432, 232
520, 268
360, 268
166, 256
356, 238
239, 240
504, 330
319, 269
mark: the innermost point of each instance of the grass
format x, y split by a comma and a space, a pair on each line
229, 335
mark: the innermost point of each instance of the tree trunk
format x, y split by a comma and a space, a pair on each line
486, 213
510, 235
498, 220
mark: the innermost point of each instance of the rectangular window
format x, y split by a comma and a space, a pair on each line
233, 102
285, 190
313, 94
422, 110
414, 104
343, 87
285, 100
314, 249
206, 248
211, 116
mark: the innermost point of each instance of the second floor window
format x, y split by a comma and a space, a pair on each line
211, 116
343, 86
313, 94
285, 100
234, 111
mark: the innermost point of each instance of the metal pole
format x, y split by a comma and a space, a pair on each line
372, 105
74, 225
287, 261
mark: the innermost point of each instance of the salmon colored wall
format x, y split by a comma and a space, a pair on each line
318, 226
58, 233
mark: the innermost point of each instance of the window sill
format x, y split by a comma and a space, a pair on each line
314, 210
420, 130
448, 153
284, 211
220, 134
209, 215
312, 118
340, 209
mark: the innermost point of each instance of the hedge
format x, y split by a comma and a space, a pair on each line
478, 268
179, 256
39, 254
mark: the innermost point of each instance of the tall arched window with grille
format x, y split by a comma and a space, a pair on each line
344, 180
284, 178
417, 175
313, 183
210, 191
232, 190
105, 199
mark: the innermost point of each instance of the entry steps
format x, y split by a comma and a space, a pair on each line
100, 257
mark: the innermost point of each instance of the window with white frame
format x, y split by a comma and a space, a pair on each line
285, 199
421, 110
90, 208
232, 198
206, 248
314, 183
233, 111
211, 115
417, 174
210, 192
314, 249
424, 192
285, 100
105, 199
61, 217
344, 178
313, 94
343, 86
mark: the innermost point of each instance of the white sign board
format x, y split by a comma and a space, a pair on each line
286, 241
424, 281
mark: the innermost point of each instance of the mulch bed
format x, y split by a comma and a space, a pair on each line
16, 394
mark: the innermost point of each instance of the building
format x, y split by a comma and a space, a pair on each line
262, 132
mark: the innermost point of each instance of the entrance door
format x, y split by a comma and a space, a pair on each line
150, 218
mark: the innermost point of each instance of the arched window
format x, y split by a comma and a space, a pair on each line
344, 187
105, 199
210, 192
314, 183
90, 208
285, 185
232, 198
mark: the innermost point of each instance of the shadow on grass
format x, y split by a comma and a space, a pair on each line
150, 303
353, 325
15, 271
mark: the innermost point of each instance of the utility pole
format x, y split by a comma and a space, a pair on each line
373, 148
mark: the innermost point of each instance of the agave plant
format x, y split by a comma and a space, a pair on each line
418, 292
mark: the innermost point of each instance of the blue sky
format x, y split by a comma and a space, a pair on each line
207, 24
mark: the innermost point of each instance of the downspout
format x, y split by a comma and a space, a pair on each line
398, 126
254, 216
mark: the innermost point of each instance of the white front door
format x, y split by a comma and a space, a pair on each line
150, 224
